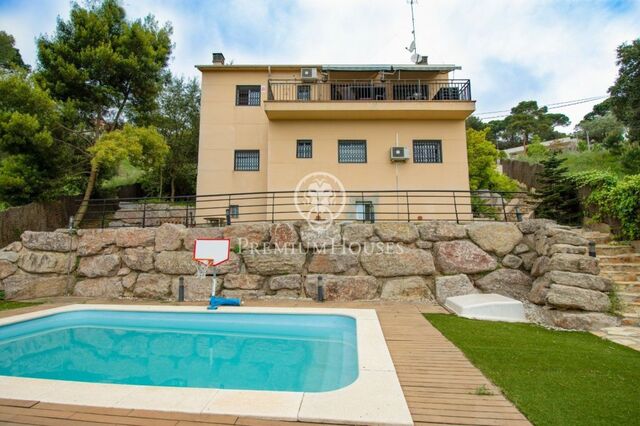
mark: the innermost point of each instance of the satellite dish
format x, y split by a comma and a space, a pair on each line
415, 58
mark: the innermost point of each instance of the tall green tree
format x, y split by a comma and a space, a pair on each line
482, 156
625, 92
106, 70
473, 122
178, 120
558, 195
32, 156
603, 129
10, 58
527, 119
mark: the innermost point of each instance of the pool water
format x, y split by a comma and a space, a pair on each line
277, 352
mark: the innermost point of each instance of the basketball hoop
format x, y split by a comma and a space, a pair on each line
208, 253
202, 267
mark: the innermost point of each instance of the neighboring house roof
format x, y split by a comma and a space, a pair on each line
333, 67
568, 142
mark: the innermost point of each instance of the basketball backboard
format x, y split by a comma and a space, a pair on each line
213, 251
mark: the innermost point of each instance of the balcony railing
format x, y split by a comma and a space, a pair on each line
369, 90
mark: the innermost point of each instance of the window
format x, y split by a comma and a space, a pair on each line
303, 148
234, 211
427, 151
364, 211
304, 92
352, 151
248, 95
247, 160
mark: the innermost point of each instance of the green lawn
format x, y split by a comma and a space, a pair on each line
553, 377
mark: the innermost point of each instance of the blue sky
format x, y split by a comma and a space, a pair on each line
512, 50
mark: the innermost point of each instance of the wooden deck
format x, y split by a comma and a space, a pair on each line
439, 383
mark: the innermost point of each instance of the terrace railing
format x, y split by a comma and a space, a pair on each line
369, 90
280, 206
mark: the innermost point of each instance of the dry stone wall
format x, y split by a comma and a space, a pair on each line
544, 265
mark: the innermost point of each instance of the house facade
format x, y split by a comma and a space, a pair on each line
265, 127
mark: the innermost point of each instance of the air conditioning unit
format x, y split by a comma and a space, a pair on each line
308, 74
399, 153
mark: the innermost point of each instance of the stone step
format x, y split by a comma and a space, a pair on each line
620, 258
629, 298
620, 276
597, 237
631, 319
620, 267
613, 249
628, 287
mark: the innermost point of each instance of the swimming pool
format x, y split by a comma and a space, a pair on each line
342, 353
277, 352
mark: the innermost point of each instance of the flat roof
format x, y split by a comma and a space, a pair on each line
332, 67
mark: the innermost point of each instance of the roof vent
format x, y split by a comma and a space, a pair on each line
218, 58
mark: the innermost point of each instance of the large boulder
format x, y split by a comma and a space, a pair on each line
152, 286
135, 237
332, 263
507, 282
541, 286
574, 263
27, 286
94, 241
396, 261
343, 287
106, 265
512, 261
357, 233
405, 288
462, 257
274, 262
41, 262
138, 259
441, 231
453, 285
495, 237
99, 287
528, 259
286, 282
567, 248
531, 226
314, 237
192, 234
283, 234
588, 321
175, 263
169, 236
48, 241
566, 297
195, 289
7, 269
243, 281
396, 232
9, 256
252, 235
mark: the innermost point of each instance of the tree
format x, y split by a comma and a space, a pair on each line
482, 157
473, 122
527, 119
10, 58
105, 70
536, 150
605, 129
558, 196
32, 157
143, 147
625, 92
178, 120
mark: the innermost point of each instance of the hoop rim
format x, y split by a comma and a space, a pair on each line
210, 262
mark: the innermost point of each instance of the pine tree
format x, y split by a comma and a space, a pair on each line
558, 197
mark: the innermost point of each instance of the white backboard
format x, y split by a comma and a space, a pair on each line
216, 250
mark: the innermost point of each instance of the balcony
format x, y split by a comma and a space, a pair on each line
369, 99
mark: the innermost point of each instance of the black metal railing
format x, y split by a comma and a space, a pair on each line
369, 90
283, 206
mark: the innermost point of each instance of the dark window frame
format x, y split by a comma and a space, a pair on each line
306, 92
299, 144
245, 151
234, 211
425, 158
256, 89
368, 212
353, 142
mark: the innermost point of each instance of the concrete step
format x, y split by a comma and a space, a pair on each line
632, 287
620, 258
629, 298
597, 237
620, 267
620, 276
631, 320
613, 249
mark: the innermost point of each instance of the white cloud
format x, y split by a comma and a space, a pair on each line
511, 50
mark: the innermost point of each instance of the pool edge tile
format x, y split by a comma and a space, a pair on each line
265, 405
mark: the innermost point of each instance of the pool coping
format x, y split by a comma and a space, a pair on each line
375, 397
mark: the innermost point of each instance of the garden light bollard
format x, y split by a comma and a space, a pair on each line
320, 289
181, 289
592, 248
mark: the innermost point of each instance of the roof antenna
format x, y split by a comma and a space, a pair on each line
415, 57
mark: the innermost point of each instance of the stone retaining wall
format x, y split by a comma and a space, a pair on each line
538, 262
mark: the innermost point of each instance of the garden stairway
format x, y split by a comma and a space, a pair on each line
621, 263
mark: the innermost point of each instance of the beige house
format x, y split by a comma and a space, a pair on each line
387, 132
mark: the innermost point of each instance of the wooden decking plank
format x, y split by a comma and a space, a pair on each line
194, 417
123, 420
17, 402
83, 409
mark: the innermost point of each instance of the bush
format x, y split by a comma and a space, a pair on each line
483, 156
559, 193
630, 158
614, 197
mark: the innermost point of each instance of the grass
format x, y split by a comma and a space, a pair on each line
553, 377
585, 161
5, 305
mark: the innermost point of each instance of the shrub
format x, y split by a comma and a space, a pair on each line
630, 158
559, 194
